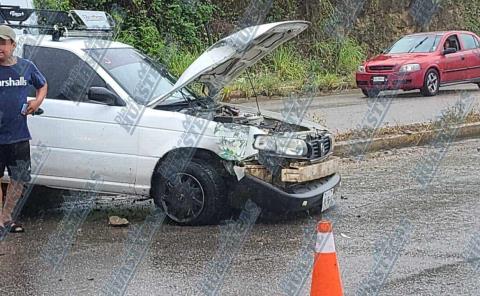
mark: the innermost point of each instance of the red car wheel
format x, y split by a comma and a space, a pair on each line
431, 83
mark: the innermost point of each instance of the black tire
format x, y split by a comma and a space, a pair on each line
372, 93
203, 202
431, 83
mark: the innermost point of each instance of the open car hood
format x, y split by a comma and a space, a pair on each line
229, 57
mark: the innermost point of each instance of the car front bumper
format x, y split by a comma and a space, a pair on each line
391, 81
300, 197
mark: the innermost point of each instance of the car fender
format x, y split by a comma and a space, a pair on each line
162, 132
436, 66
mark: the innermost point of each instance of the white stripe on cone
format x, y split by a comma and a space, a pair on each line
325, 243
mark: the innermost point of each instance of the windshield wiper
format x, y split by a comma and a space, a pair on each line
416, 46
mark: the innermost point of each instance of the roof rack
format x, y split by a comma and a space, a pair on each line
73, 23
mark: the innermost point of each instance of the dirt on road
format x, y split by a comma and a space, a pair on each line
377, 195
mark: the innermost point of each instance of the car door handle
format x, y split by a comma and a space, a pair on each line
463, 58
38, 112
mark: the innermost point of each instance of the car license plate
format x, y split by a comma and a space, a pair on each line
328, 199
378, 79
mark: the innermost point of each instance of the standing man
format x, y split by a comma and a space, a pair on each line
16, 76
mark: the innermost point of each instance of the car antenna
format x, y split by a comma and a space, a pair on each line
254, 92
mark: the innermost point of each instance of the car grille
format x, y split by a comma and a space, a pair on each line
320, 146
380, 68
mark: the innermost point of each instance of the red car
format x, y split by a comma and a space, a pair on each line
423, 61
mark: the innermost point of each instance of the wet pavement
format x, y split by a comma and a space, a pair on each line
377, 194
406, 108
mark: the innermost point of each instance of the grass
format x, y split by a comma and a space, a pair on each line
329, 67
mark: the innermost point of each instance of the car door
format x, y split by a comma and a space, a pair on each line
454, 64
472, 56
477, 53
82, 136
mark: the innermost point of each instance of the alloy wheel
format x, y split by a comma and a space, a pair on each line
184, 198
432, 82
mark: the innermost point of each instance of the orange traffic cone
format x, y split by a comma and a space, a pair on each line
326, 274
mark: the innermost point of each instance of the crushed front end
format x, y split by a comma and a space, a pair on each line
292, 169
286, 184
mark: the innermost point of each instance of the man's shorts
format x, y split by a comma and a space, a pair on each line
16, 158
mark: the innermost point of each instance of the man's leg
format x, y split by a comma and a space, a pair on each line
1, 203
4, 156
18, 165
1, 196
14, 193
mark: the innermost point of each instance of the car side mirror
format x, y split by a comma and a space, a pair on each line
449, 50
104, 96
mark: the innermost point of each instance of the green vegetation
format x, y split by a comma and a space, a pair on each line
175, 32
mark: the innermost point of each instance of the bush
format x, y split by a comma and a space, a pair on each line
179, 62
178, 21
174, 33
287, 63
338, 57
351, 56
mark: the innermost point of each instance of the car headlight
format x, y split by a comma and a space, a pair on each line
361, 69
410, 68
281, 145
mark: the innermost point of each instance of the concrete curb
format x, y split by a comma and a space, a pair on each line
344, 148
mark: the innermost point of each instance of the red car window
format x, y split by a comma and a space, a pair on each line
452, 42
477, 42
469, 42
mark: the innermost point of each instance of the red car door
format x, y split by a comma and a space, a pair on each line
472, 55
454, 64
476, 51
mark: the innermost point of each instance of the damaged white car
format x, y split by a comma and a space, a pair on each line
113, 111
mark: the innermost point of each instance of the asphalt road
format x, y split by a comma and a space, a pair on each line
377, 195
345, 111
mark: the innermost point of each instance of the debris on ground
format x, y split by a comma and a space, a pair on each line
116, 221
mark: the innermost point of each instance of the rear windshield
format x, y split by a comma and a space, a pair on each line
415, 43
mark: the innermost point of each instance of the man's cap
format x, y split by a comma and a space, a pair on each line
7, 33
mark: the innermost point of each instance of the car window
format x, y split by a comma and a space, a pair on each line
142, 78
68, 77
452, 42
415, 43
469, 42
477, 42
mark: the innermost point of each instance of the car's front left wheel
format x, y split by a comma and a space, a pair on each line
431, 83
192, 195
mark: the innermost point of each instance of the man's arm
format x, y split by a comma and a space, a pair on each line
41, 93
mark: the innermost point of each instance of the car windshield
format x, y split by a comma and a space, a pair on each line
141, 77
415, 43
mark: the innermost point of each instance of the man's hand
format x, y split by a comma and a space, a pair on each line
33, 106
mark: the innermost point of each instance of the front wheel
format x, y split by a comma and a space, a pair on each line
431, 83
192, 195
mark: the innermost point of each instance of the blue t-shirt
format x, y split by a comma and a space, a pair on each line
15, 83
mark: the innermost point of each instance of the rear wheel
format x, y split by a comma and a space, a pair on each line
431, 83
193, 195
371, 93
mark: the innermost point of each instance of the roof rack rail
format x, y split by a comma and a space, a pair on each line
73, 23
